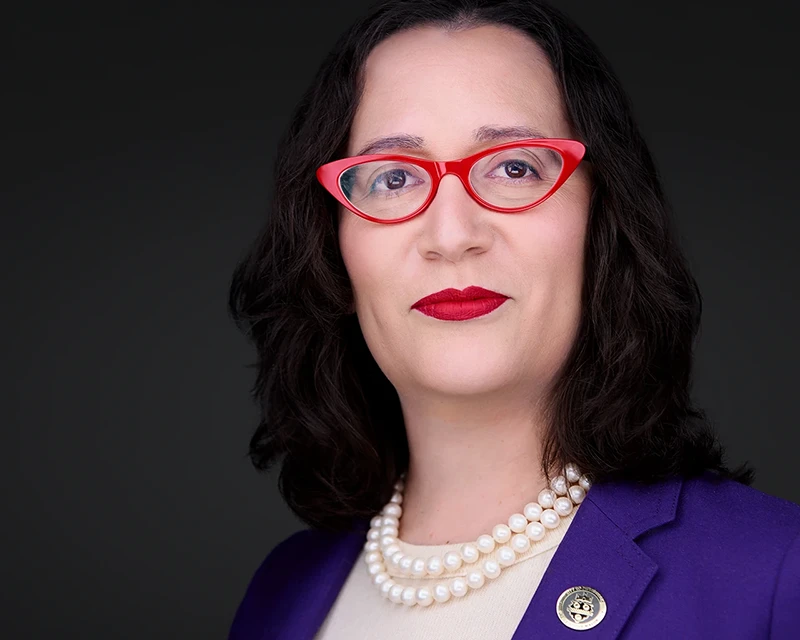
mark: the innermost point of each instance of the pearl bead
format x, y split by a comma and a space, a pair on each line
424, 596
387, 541
434, 566
441, 592
376, 522
517, 523
372, 545
559, 485
475, 579
585, 482
397, 498
393, 509
550, 518
563, 506
485, 543
373, 556
532, 511
390, 520
396, 558
501, 533
389, 551
396, 592
374, 534
520, 543
506, 556
572, 472
452, 560
389, 530
546, 498
459, 587
409, 596
469, 553
379, 578
491, 568
386, 587
577, 493
535, 531
418, 567
405, 564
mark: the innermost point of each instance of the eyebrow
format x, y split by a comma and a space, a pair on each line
486, 133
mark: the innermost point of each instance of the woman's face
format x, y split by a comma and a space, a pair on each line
442, 87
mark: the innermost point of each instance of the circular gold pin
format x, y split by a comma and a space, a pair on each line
581, 608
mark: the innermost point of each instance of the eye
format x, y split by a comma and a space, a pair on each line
395, 180
392, 180
515, 170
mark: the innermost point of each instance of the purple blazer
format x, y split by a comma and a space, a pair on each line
681, 559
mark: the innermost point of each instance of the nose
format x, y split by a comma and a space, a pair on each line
454, 223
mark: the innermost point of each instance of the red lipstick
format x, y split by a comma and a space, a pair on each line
452, 304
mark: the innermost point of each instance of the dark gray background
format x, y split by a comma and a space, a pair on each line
138, 147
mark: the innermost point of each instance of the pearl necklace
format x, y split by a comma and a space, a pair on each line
565, 493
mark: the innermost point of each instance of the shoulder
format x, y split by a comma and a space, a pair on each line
719, 517
726, 535
738, 512
248, 622
282, 579
280, 559
300, 549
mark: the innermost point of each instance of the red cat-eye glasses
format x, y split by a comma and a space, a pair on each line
388, 188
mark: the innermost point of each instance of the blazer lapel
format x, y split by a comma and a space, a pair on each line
599, 551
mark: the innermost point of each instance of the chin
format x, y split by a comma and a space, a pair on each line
471, 373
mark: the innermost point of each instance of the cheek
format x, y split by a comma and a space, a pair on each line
352, 244
569, 215
354, 261
554, 237
365, 256
567, 256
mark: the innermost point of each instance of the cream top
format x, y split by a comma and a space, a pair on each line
489, 613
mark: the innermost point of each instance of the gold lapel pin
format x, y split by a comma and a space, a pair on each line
581, 608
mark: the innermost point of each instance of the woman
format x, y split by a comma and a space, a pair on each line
475, 332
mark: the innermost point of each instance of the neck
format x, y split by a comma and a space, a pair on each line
470, 468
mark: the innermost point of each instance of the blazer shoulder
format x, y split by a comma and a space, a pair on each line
248, 622
722, 519
787, 586
275, 588
759, 531
729, 502
283, 552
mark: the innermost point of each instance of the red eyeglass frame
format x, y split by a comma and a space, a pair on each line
572, 152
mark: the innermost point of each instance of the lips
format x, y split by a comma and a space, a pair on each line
452, 304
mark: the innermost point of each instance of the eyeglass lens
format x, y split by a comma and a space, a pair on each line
513, 177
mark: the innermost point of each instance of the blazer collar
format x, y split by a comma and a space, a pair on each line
598, 551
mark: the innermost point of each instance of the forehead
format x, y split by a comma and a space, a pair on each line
442, 86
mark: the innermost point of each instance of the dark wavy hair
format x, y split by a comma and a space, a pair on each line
620, 407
